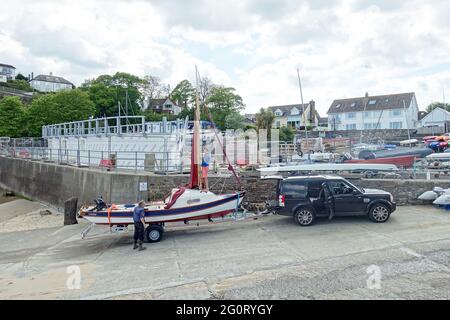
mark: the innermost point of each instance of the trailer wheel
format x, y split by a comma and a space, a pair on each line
154, 233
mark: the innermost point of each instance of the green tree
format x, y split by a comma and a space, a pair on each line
151, 115
19, 84
234, 121
63, 106
222, 102
183, 94
287, 134
21, 77
265, 119
108, 91
434, 105
11, 117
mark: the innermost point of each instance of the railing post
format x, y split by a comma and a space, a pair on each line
78, 157
135, 160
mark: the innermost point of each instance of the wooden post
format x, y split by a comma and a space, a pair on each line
70, 211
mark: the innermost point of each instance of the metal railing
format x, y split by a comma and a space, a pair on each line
157, 162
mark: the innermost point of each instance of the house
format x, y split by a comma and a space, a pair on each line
50, 83
437, 118
292, 115
164, 106
393, 111
7, 72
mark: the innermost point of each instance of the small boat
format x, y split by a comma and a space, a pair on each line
401, 161
183, 204
444, 156
418, 152
364, 167
409, 142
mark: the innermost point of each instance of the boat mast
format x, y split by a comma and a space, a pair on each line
197, 125
303, 105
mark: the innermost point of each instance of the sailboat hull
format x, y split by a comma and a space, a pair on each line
221, 206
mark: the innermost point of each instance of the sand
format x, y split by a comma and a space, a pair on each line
23, 215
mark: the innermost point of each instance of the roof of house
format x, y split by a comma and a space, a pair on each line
437, 118
368, 103
7, 65
287, 108
159, 102
51, 78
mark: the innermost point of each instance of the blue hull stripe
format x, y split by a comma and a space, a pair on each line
169, 211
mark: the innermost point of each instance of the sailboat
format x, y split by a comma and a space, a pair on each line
184, 203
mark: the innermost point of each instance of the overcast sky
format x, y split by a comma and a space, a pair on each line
343, 48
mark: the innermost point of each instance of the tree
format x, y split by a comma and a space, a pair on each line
264, 119
223, 101
153, 88
11, 117
234, 121
183, 94
205, 87
63, 106
21, 77
19, 84
287, 134
108, 91
151, 115
434, 105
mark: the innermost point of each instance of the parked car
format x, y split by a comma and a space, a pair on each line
306, 198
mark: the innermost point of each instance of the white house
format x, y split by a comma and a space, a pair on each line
394, 111
7, 72
164, 106
292, 115
436, 118
50, 83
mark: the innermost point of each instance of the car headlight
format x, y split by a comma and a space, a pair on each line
392, 197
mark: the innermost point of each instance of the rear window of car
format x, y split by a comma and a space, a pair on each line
294, 188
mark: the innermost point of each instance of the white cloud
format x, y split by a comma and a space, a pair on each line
344, 48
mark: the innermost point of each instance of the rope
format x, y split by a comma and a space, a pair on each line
230, 167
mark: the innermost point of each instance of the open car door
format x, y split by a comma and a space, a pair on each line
328, 201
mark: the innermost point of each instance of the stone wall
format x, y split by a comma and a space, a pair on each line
53, 184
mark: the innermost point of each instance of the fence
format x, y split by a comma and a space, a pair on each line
157, 162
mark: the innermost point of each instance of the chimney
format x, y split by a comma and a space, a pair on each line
312, 110
51, 73
367, 94
32, 75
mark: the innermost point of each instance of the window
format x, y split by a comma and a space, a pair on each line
278, 113
338, 106
350, 126
396, 112
314, 188
351, 115
294, 188
277, 124
395, 125
340, 187
372, 102
367, 114
353, 104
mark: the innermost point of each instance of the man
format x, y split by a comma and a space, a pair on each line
139, 223
205, 167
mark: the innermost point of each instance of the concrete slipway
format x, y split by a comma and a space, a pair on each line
269, 258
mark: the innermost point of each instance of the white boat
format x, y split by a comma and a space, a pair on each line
428, 196
331, 167
439, 157
442, 200
409, 142
183, 204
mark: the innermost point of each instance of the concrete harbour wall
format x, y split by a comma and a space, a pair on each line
53, 184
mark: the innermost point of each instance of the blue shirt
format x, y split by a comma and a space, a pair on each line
205, 160
138, 214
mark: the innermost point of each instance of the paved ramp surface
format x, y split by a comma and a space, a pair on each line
18, 207
268, 258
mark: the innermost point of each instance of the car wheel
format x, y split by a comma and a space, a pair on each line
304, 216
154, 233
379, 213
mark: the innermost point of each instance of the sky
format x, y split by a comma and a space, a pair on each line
342, 48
